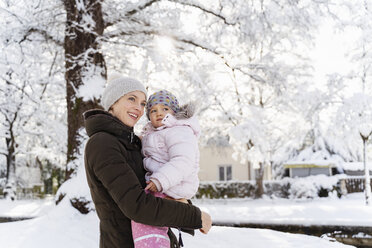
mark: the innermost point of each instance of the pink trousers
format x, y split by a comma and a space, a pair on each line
145, 236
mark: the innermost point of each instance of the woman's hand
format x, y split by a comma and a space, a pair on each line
183, 200
151, 186
206, 222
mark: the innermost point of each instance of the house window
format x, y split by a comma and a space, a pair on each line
225, 172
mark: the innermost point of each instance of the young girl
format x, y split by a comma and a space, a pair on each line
170, 147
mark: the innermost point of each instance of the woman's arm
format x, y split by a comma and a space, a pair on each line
113, 171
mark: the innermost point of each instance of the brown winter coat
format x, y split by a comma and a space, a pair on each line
116, 179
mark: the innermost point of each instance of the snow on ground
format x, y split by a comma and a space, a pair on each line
63, 226
226, 237
349, 211
25, 208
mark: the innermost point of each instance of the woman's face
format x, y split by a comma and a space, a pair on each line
129, 108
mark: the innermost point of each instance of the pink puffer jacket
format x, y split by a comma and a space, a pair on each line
172, 155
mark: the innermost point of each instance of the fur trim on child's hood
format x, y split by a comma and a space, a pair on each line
186, 111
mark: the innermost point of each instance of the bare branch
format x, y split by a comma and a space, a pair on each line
12, 14
132, 12
205, 10
141, 7
145, 5
50, 73
21, 89
225, 111
43, 33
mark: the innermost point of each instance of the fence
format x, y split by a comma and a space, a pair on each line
354, 184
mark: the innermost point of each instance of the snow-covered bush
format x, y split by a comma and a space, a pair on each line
231, 189
312, 186
293, 188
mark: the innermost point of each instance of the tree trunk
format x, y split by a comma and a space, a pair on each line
10, 187
83, 62
367, 188
81, 54
259, 181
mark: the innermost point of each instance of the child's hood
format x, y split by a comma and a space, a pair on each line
184, 117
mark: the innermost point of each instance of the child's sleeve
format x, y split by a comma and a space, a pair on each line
182, 147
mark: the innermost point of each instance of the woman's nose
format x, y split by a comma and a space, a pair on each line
139, 107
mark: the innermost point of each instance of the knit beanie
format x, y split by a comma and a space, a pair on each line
117, 86
162, 97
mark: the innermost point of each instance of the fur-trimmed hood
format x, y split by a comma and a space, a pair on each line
186, 111
184, 117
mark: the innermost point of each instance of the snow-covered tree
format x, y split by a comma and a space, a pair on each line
249, 45
354, 116
28, 98
244, 51
242, 60
26, 120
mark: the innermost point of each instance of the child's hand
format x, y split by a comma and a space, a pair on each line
151, 186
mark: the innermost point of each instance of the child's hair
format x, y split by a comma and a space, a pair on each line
162, 97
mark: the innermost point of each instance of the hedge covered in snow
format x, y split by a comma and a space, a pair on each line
307, 187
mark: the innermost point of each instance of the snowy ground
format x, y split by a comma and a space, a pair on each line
63, 227
348, 211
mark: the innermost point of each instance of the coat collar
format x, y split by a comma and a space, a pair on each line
97, 120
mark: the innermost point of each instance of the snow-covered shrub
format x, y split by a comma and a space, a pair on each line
230, 189
293, 188
316, 186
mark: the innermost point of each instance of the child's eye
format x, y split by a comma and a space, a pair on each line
166, 109
152, 111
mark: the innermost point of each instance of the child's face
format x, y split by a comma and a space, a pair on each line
157, 113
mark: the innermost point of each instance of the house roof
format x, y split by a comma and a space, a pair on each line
309, 164
355, 166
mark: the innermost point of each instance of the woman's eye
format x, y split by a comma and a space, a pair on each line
143, 104
132, 99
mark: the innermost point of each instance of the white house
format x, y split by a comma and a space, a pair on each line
217, 164
309, 168
324, 156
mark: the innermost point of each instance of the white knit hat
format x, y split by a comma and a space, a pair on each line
117, 86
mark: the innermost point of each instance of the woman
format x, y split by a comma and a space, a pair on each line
115, 172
